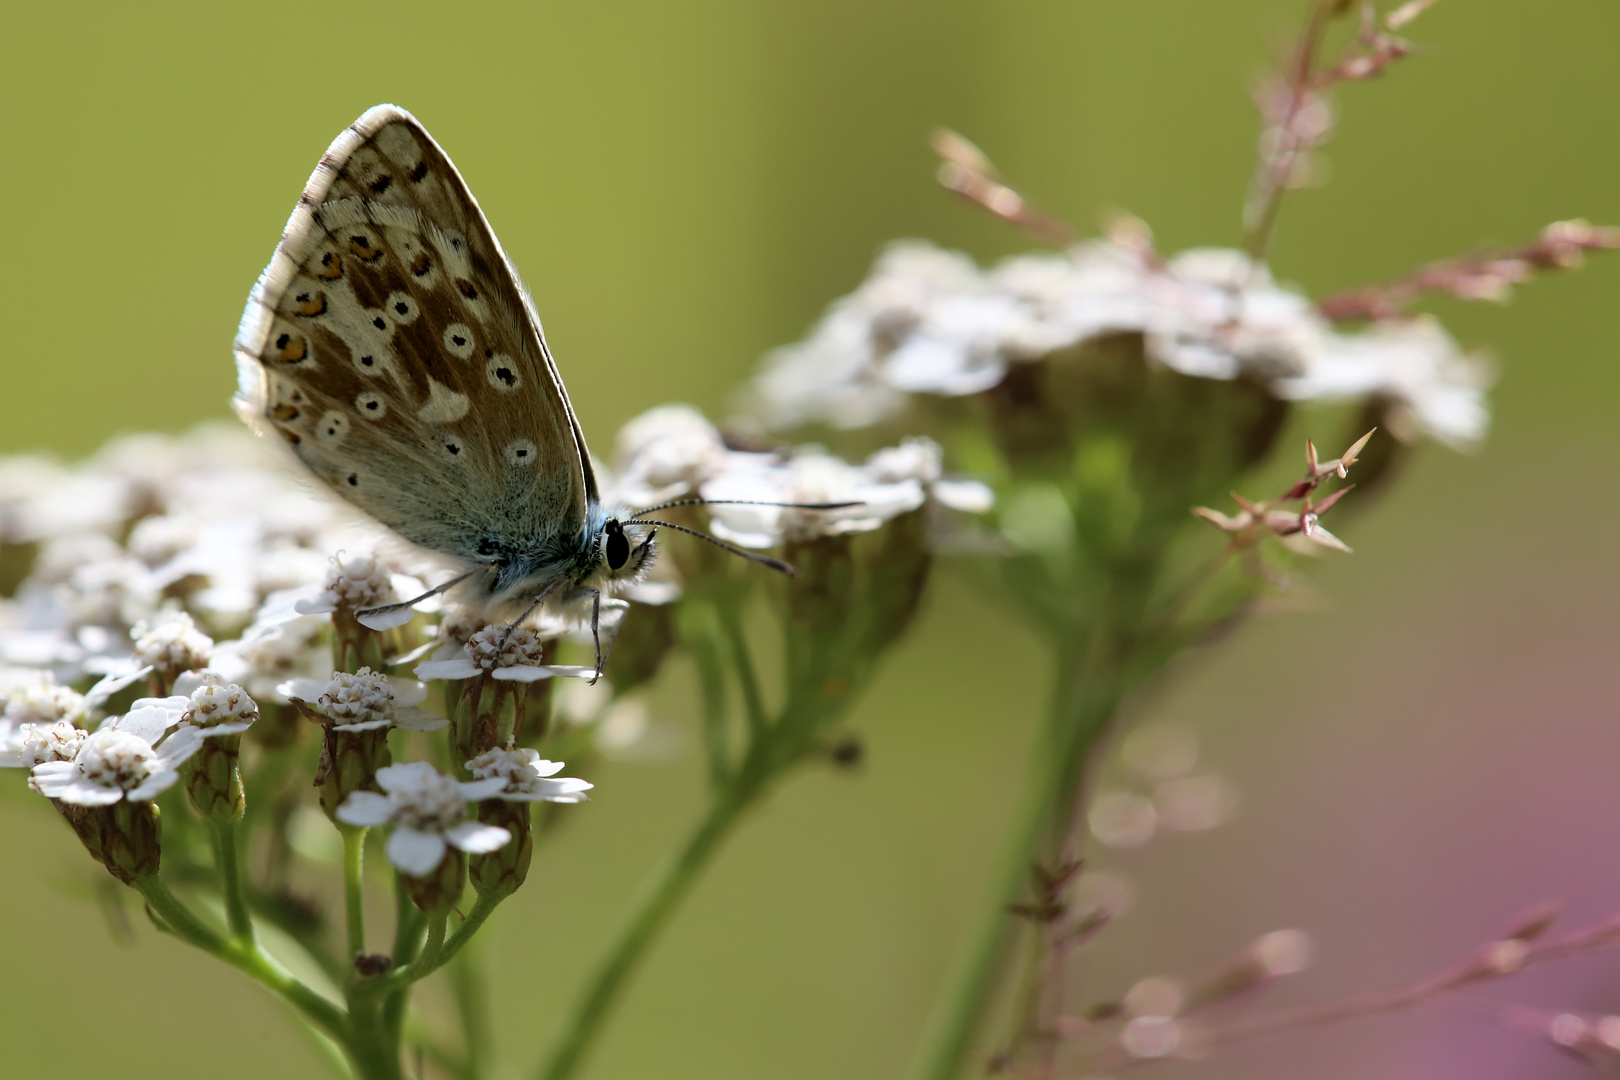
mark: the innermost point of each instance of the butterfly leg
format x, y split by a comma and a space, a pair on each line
534, 606
596, 632
388, 616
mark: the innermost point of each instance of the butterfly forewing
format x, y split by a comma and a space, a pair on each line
392, 347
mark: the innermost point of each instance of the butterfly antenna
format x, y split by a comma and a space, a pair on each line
743, 502
774, 564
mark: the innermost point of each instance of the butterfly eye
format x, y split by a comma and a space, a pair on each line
617, 549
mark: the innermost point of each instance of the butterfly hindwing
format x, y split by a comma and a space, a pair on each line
391, 345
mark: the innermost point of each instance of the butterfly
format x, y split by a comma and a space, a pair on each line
393, 349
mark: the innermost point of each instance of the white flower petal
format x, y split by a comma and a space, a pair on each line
147, 723
82, 792
110, 685
51, 778
303, 689
153, 786
405, 775
407, 691
364, 809
428, 646
180, 746
523, 673
217, 730
364, 725
474, 790
543, 767
176, 702
462, 668
567, 785
416, 853
477, 838
654, 593
385, 619
410, 718
319, 605
568, 671
969, 496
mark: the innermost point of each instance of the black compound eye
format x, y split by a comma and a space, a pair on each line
617, 549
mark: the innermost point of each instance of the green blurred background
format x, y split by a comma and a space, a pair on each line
687, 185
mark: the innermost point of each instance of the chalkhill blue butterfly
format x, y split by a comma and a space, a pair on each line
391, 346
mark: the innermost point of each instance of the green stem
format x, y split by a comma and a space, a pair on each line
470, 990
1080, 710
731, 625
228, 864
375, 1048
437, 951
354, 864
648, 914
432, 949
712, 682
247, 958
408, 923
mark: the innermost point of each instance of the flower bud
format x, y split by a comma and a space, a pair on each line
498, 874
221, 711
125, 837
437, 891
349, 763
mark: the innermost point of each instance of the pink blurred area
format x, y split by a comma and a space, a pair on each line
1418, 765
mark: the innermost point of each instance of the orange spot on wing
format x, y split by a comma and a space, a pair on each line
331, 266
364, 249
291, 348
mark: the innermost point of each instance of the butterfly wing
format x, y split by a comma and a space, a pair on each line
392, 346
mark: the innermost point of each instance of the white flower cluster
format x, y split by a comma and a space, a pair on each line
672, 452
929, 321
153, 529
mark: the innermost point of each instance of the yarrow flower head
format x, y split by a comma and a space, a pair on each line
170, 643
527, 777
508, 653
891, 482
352, 582
28, 745
129, 757
428, 812
931, 322
219, 708
37, 698
367, 701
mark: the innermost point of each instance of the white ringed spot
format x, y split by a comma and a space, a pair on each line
502, 373
451, 447
521, 452
402, 309
371, 406
459, 340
